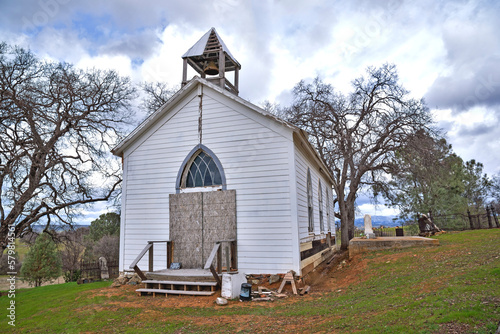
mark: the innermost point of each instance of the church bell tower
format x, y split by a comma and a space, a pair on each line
211, 58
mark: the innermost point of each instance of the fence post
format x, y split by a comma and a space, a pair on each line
470, 220
493, 211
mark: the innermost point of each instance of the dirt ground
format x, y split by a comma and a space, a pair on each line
340, 273
338, 279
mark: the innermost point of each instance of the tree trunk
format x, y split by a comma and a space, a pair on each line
350, 218
347, 214
344, 230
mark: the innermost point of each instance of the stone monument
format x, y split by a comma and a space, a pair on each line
368, 227
103, 265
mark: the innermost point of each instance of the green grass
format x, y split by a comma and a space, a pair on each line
405, 291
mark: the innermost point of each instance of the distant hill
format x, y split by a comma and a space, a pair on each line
387, 221
39, 228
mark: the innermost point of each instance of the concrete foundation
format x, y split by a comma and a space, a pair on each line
358, 245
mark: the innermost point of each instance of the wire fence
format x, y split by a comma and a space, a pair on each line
451, 222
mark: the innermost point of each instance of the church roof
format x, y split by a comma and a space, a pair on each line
202, 47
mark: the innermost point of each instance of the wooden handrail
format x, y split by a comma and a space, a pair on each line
149, 248
217, 251
212, 255
141, 254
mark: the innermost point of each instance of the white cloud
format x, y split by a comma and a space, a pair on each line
376, 210
120, 63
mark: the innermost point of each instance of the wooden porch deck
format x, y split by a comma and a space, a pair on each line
184, 281
186, 275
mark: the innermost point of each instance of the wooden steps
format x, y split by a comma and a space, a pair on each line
142, 292
177, 288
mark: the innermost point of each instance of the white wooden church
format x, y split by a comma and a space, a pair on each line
209, 166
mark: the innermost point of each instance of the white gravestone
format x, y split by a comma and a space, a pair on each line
104, 268
368, 227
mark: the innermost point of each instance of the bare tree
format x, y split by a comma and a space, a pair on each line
57, 125
157, 94
72, 251
358, 134
108, 246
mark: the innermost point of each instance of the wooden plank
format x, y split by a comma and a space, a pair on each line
139, 257
181, 282
212, 256
216, 276
305, 246
321, 256
177, 292
140, 273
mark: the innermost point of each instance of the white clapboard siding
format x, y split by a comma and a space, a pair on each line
253, 151
254, 154
301, 165
152, 167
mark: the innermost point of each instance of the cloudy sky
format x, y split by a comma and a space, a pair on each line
446, 51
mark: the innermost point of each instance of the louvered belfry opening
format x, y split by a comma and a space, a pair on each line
212, 60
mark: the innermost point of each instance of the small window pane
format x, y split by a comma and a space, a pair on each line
189, 180
207, 178
198, 180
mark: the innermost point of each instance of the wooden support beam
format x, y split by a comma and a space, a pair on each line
219, 260
140, 273
170, 253
184, 71
234, 263
151, 258
228, 262
237, 79
216, 276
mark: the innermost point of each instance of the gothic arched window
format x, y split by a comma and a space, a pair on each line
201, 169
202, 172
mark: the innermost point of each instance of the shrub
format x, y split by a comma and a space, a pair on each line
43, 262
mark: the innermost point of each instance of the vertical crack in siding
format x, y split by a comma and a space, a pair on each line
200, 116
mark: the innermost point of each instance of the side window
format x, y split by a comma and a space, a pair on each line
320, 201
310, 215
